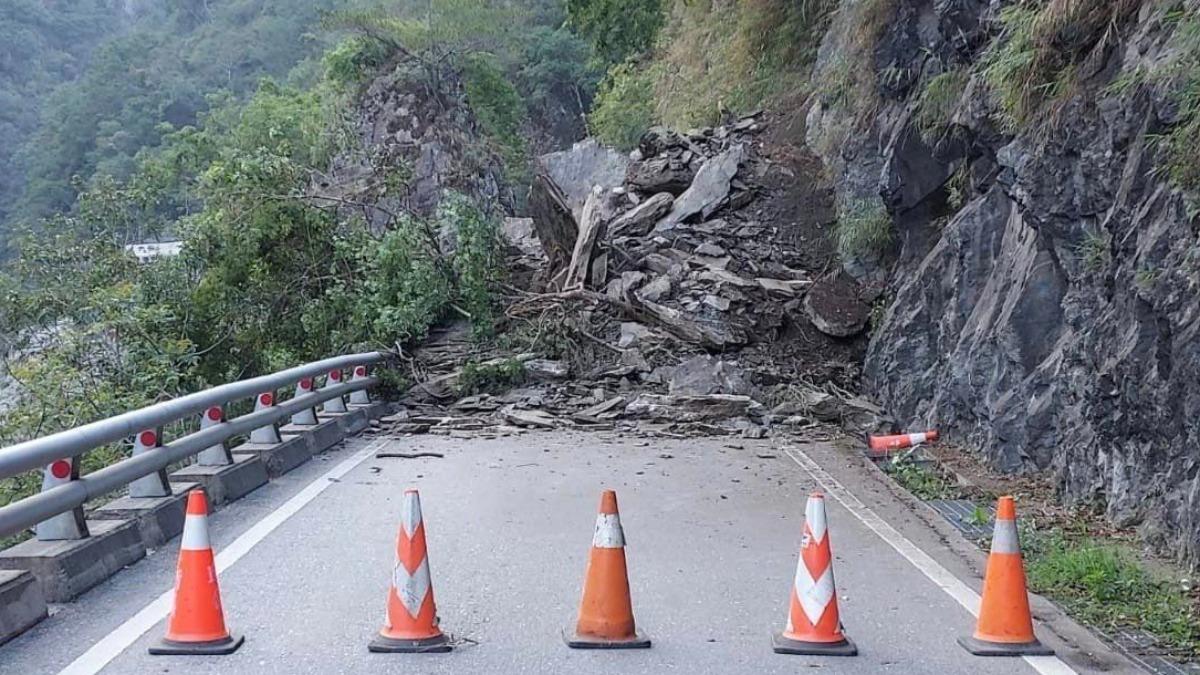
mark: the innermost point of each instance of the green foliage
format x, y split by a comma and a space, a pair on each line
958, 187
716, 57
617, 30
499, 109
490, 376
478, 258
1093, 251
353, 60
42, 45
864, 228
1036, 59
1182, 72
154, 78
1106, 586
937, 103
624, 107
922, 481
555, 73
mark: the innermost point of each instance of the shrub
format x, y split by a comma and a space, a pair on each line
1106, 586
478, 259
937, 103
1036, 58
864, 228
491, 376
734, 57
354, 59
624, 107
616, 29
499, 109
1183, 73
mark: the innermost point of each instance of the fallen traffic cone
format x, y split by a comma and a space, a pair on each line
606, 611
1005, 625
901, 440
412, 623
813, 626
197, 624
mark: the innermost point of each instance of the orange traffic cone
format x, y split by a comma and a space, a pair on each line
1005, 626
606, 611
197, 624
814, 626
412, 622
901, 440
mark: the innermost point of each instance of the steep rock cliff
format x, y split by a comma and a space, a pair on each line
1045, 272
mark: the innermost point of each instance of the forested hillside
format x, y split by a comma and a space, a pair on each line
41, 47
162, 65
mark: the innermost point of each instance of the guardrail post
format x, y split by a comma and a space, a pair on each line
308, 416
268, 435
214, 455
336, 404
156, 484
69, 525
360, 397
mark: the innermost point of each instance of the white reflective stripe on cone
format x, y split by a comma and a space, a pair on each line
814, 594
814, 518
1004, 537
917, 438
412, 588
410, 519
195, 534
608, 531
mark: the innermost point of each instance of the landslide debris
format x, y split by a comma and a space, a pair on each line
696, 292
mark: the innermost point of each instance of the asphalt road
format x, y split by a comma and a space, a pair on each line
712, 533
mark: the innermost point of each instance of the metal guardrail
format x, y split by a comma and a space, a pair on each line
40, 452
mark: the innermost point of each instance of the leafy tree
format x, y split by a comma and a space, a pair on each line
616, 29
625, 105
555, 73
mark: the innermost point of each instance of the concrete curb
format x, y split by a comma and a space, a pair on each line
22, 604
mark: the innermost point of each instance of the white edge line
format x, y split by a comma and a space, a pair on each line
940, 576
122, 637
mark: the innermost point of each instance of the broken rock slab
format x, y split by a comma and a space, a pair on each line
707, 374
538, 419
710, 187
521, 235
638, 221
583, 166
690, 408
546, 370
660, 174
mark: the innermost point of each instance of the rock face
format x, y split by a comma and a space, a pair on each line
434, 139
583, 166
1048, 315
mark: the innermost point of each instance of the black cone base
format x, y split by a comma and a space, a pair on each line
385, 645
215, 648
784, 645
576, 641
984, 648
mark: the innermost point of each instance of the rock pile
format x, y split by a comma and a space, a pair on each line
696, 278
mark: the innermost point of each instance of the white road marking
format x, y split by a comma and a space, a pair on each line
112, 645
942, 577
